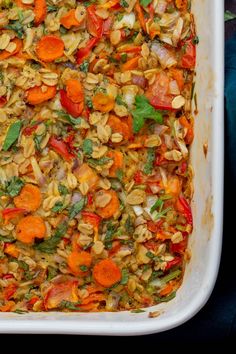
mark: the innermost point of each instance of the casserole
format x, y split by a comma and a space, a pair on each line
207, 159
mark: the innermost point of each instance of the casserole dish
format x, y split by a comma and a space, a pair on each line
205, 244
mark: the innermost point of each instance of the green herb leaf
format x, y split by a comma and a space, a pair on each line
89, 102
23, 265
63, 190
229, 16
120, 101
111, 229
13, 186
195, 40
129, 226
58, 207
69, 118
84, 66
166, 298
49, 246
7, 239
145, 3
83, 268
37, 140
125, 276
76, 208
12, 135
172, 275
120, 175
160, 214
87, 147
137, 311
69, 305
20, 312
148, 167
99, 162
17, 27
158, 204
124, 3
144, 111
51, 8
52, 273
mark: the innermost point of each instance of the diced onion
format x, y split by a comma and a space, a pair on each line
127, 20
165, 57
138, 210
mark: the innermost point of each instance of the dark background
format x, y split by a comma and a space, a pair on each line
214, 325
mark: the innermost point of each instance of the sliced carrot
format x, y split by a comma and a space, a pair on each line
50, 48
7, 307
29, 198
5, 54
106, 273
12, 250
40, 11
29, 228
177, 74
112, 207
166, 290
103, 102
74, 90
84, 173
69, 20
38, 94
140, 16
119, 126
190, 132
78, 260
93, 298
130, 64
117, 158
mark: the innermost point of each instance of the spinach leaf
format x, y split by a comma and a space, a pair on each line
76, 208
13, 186
148, 167
49, 246
12, 135
144, 111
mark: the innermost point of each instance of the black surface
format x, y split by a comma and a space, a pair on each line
210, 326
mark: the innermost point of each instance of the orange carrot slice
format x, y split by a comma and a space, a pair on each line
79, 262
29, 228
38, 94
106, 273
5, 54
117, 158
130, 64
29, 198
119, 126
74, 90
50, 48
40, 11
111, 208
69, 20
103, 102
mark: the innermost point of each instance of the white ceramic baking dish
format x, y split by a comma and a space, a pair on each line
205, 242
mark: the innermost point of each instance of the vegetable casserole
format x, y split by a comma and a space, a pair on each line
95, 180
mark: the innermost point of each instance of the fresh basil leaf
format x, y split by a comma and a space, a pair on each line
76, 208
49, 246
12, 135
144, 111
145, 3
13, 186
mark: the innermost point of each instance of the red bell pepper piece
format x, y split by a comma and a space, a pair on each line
91, 218
74, 109
3, 101
10, 213
94, 22
154, 226
29, 130
180, 247
176, 261
61, 148
83, 53
7, 276
89, 199
138, 177
188, 60
183, 207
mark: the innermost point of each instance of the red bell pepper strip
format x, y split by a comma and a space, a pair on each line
29, 130
10, 213
74, 109
61, 148
138, 177
176, 261
180, 247
3, 101
89, 199
188, 60
7, 276
94, 22
154, 226
91, 218
83, 53
183, 207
